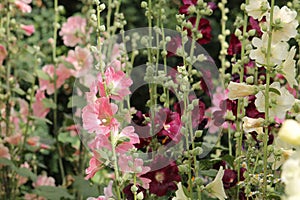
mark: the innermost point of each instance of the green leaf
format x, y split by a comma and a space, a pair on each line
41, 119
210, 172
26, 76
274, 90
85, 188
26, 173
76, 101
42, 75
52, 193
7, 162
49, 103
65, 137
19, 91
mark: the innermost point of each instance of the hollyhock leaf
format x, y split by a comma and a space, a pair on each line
19, 91
42, 75
52, 193
210, 172
6, 162
76, 101
49, 103
41, 119
26, 76
85, 188
26, 173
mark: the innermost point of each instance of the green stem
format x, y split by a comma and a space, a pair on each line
115, 163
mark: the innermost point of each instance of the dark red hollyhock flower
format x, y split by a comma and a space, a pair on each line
204, 28
163, 180
230, 178
170, 125
173, 45
251, 110
142, 128
225, 105
217, 165
128, 193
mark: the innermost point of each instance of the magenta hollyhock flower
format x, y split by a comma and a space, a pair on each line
94, 166
81, 59
3, 53
116, 84
98, 117
170, 125
23, 5
203, 27
163, 180
29, 29
62, 72
38, 107
74, 31
184, 9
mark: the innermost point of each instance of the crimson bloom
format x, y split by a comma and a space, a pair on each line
163, 180
203, 27
184, 9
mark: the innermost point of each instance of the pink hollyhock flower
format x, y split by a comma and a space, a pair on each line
116, 82
98, 116
23, 5
81, 59
62, 73
91, 96
203, 27
44, 180
38, 107
74, 31
21, 179
14, 139
3, 53
126, 133
33, 197
29, 29
163, 180
24, 109
95, 166
4, 152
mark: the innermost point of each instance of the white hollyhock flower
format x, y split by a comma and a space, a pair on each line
279, 51
237, 90
253, 124
257, 8
285, 24
279, 103
291, 176
289, 67
216, 188
180, 193
290, 132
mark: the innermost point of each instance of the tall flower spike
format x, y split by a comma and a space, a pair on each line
216, 188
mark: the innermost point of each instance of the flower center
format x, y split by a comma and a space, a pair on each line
159, 177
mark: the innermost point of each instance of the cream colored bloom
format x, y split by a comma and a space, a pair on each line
237, 90
257, 8
259, 54
291, 176
285, 24
253, 124
290, 132
216, 188
289, 67
180, 193
280, 104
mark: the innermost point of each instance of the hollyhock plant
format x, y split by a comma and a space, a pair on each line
216, 188
98, 117
74, 31
23, 5
3, 54
94, 167
184, 9
81, 59
257, 9
116, 84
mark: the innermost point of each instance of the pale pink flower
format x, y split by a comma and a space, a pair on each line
33, 197
21, 179
81, 59
39, 109
98, 116
3, 53
91, 96
128, 134
62, 73
116, 82
4, 152
95, 166
44, 180
33, 141
29, 29
129, 165
14, 139
24, 109
23, 5
73, 31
